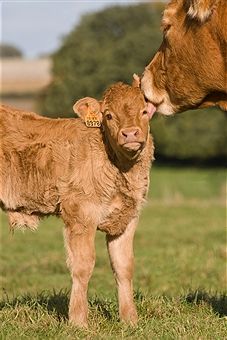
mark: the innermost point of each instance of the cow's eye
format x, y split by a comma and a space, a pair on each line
166, 28
144, 112
109, 116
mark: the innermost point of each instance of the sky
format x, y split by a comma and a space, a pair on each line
37, 27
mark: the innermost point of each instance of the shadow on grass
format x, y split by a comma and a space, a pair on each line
106, 307
57, 303
54, 302
218, 302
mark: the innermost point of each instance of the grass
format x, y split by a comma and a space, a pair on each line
180, 276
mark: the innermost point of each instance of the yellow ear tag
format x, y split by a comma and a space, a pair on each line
92, 119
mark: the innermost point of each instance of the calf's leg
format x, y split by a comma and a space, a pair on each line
120, 250
81, 260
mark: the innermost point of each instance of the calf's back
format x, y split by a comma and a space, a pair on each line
59, 166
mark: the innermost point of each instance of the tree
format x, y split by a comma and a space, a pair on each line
110, 46
9, 51
193, 135
106, 47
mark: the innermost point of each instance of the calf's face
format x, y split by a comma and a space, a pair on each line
189, 68
124, 115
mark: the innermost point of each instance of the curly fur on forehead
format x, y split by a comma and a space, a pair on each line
123, 94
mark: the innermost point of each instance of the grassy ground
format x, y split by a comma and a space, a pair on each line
180, 277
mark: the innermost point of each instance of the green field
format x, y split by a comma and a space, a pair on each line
180, 274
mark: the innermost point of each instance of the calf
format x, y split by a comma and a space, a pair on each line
190, 68
94, 178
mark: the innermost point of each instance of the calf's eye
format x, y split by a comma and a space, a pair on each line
109, 116
144, 112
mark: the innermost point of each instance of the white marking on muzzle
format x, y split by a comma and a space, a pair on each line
159, 97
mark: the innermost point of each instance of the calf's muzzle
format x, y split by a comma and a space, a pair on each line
131, 138
130, 134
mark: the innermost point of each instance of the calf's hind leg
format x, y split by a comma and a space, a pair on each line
120, 250
81, 260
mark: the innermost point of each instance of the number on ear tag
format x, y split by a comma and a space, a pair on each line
92, 120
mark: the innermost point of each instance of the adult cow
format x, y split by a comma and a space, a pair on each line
190, 68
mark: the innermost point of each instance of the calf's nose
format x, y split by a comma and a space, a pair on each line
130, 134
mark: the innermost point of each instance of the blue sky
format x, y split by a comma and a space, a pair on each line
37, 27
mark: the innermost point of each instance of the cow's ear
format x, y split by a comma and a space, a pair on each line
201, 9
135, 80
89, 110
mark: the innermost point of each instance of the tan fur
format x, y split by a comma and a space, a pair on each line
201, 9
93, 178
190, 65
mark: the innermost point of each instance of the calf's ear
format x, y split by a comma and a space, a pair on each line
89, 110
201, 9
135, 80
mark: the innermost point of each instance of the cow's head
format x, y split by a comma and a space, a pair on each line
124, 116
189, 70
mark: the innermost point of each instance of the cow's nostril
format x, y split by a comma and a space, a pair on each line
124, 134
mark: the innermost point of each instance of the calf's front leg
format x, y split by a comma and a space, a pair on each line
120, 250
81, 260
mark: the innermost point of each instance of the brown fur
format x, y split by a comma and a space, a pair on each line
190, 67
93, 178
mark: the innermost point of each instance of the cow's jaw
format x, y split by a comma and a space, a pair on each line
158, 97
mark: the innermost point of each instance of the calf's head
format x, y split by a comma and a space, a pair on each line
190, 68
124, 116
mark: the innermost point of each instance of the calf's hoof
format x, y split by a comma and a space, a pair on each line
129, 317
78, 321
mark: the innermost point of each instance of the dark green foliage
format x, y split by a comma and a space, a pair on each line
110, 46
197, 135
106, 47
9, 51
